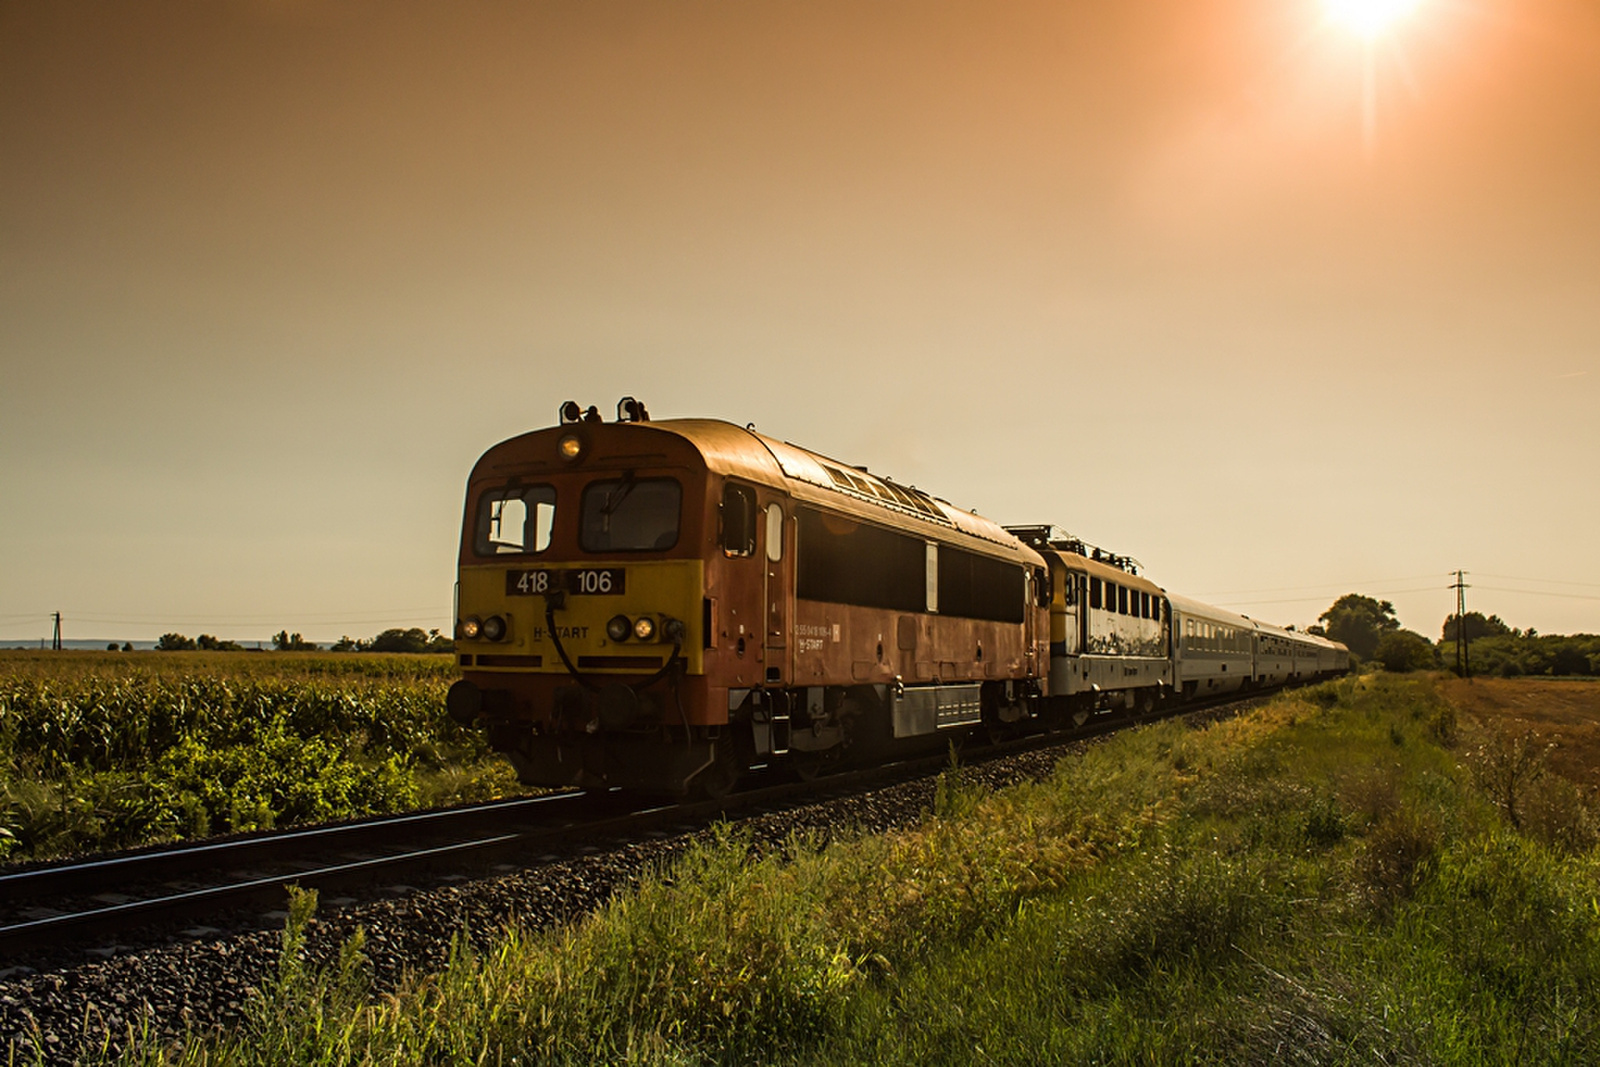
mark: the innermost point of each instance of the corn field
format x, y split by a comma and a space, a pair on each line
112, 750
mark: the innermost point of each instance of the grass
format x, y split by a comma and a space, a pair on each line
102, 750
1322, 881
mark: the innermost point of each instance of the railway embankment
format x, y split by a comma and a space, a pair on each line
1334, 876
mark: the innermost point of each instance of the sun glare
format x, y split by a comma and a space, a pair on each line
1368, 17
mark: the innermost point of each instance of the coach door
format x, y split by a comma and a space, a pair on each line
775, 592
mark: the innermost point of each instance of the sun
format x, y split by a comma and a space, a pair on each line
1369, 18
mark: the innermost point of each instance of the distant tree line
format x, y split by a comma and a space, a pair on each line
205, 642
396, 640
1369, 628
412, 640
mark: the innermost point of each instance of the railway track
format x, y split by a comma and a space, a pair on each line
137, 896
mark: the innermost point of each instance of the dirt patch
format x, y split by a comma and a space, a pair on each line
1566, 712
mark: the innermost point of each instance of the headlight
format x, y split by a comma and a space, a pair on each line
494, 628
619, 628
570, 447
470, 627
644, 628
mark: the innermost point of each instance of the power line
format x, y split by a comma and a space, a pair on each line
1543, 581
1539, 592
1324, 585
1315, 599
334, 616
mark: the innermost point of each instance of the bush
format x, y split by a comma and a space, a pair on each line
1404, 650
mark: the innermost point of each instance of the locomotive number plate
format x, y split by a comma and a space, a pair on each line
599, 581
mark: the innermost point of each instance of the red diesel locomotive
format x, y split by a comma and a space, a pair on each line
663, 605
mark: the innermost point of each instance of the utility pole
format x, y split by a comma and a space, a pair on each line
1463, 660
55, 639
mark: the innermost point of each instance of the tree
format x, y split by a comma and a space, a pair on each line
284, 641
175, 643
1405, 650
412, 640
1359, 622
1476, 627
213, 644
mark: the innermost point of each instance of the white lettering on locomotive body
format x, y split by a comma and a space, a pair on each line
534, 582
563, 632
811, 638
593, 581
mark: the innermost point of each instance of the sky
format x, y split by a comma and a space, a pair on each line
1282, 309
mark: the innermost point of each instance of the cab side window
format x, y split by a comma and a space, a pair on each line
738, 520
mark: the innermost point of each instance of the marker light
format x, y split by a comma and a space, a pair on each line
494, 628
619, 628
470, 627
644, 628
570, 447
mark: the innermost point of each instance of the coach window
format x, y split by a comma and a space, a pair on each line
1094, 592
738, 520
630, 515
515, 519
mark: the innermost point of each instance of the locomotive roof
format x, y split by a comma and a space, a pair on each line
742, 452
1105, 571
730, 449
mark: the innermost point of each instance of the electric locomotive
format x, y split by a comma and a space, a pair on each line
1110, 631
663, 605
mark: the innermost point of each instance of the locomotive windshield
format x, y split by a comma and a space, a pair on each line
630, 515
515, 519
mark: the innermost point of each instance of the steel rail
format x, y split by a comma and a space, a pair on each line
79, 875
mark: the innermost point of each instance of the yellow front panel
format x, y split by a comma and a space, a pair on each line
657, 588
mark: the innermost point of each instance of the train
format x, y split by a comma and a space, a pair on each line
666, 606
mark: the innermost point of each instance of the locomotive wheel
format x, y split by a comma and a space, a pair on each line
714, 783
809, 766
717, 780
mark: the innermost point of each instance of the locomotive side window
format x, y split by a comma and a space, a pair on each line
774, 532
1094, 592
980, 587
514, 519
1122, 600
847, 562
738, 520
1144, 605
630, 515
